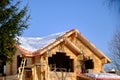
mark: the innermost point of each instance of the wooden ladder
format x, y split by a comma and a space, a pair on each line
21, 69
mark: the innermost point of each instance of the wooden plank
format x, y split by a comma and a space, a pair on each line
72, 47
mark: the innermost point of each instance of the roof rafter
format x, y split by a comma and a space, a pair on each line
72, 47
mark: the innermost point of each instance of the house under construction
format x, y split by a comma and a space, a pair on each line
57, 57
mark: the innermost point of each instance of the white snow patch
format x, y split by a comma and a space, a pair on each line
32, 44
102, 75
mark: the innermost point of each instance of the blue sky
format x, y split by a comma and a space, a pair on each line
93, 18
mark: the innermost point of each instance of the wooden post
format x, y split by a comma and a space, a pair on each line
35, 73
4, 78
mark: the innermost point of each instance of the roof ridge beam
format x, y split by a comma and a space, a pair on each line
72, 47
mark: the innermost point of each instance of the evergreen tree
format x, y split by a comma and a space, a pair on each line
13, 21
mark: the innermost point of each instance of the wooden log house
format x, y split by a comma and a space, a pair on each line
66, 55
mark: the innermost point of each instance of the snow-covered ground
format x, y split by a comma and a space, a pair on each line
102, 75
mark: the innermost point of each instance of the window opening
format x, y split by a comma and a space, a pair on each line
61, 62
2, 68
19, 59
87, 64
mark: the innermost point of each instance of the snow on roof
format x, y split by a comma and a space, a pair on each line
35, 43
102, 75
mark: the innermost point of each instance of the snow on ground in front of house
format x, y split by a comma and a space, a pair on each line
32, 44
102, 75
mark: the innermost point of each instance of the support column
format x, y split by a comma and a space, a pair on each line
34, 73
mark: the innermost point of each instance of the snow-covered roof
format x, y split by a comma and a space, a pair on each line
35, 43
33, 46
102, 75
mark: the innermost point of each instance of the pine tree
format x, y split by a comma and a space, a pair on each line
13, 21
